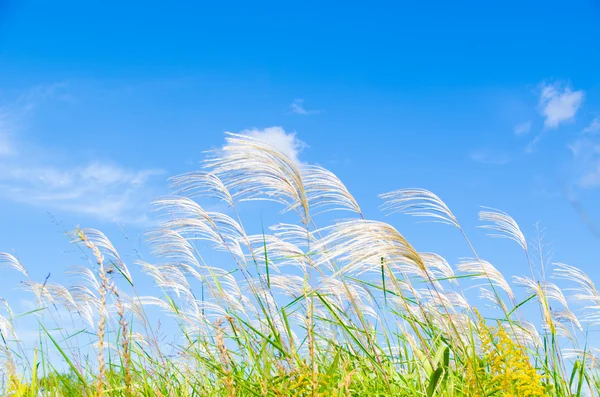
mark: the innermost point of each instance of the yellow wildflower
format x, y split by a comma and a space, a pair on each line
503, 367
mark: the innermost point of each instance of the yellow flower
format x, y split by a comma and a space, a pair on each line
16, 388
503, 366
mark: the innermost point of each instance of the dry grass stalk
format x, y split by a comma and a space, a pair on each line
102, 320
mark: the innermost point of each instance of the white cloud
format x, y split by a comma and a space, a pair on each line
531, 145
559, 103
485, 156
278, 138
594, 126
13, 114
103, 190
298, 108
523, 128
592, 177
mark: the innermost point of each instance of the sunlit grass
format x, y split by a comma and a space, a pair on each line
304, 309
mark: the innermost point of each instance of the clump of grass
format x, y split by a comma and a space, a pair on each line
349, 307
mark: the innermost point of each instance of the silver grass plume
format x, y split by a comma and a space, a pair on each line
418, 202
546, 291
503, 226
252, 169
193, 222
279, 253
584, 292
8, 260
481, 269
360, 245
104, 247
324, 189
200, 184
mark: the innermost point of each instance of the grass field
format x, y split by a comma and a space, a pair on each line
306, 309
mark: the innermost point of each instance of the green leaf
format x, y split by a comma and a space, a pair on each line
434, 380
334, 364
446, 357
266, 257
63, 354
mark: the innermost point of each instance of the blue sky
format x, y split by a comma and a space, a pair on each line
484, 104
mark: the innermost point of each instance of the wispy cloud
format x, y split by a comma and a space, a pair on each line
486, 156
13, 114
523, 128
105, 191
288, 143
5, 135
594, 126
297, 107
98, 188
559, 103
531, 145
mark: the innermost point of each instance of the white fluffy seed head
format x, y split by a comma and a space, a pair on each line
8, 260
502, 225
418, 202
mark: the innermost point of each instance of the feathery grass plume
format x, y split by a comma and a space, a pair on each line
175, 248
504, 226
528, 333
324, 189
342, 295
85, 293
585, 291
289, 284
170, 278
542, 297
438, 267
294, 234
493, 298
136, 304
6, 328
423, 203
94, 240
448, 300
252, 169
104, 247
590, 360
418, 202
200, 184
279, 253
481, 269
586, 287
566, 315
42, 294
86, 278
62, 295
360, 245
8, 260
546, 291
190, 219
